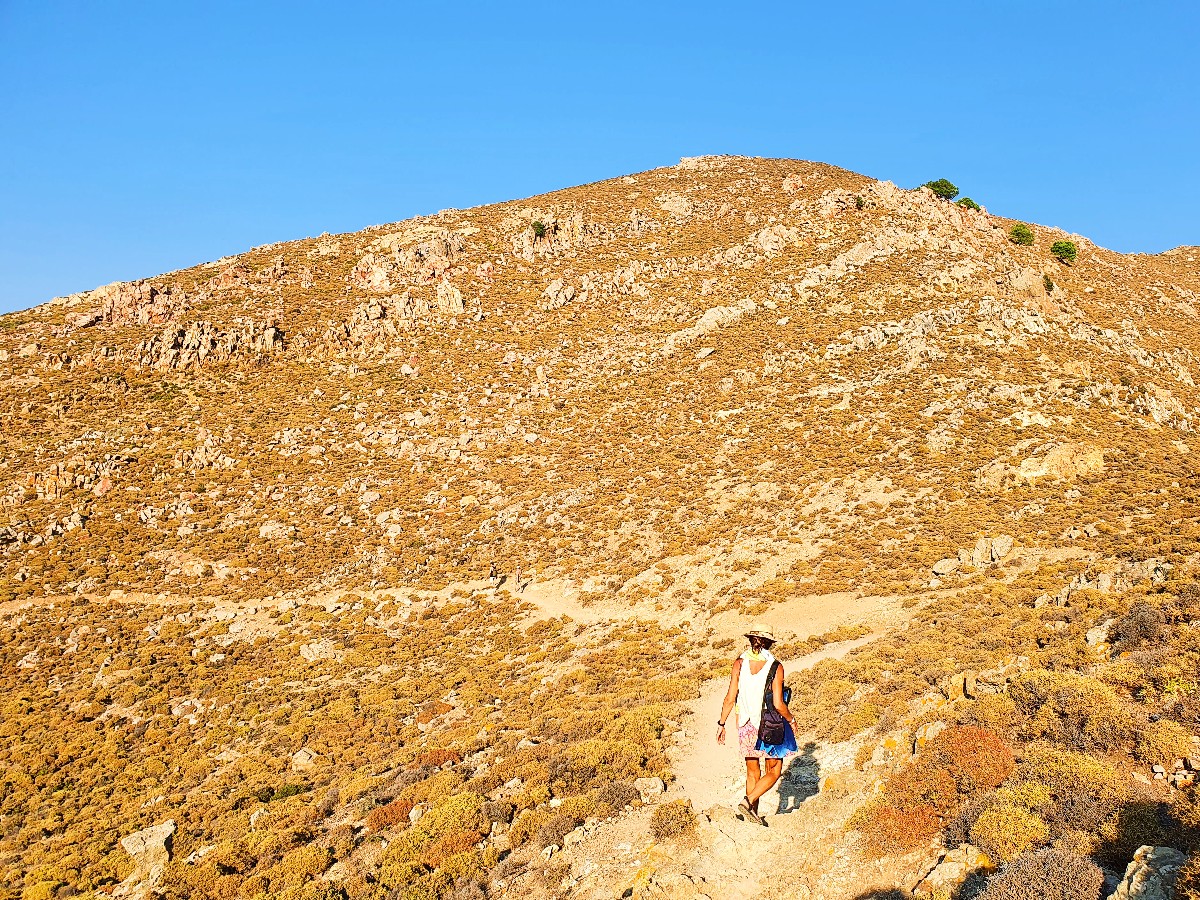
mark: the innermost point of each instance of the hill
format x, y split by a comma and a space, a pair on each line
251, 509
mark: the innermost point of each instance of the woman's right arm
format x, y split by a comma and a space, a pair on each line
730, 700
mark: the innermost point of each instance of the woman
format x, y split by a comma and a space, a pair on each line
748, 690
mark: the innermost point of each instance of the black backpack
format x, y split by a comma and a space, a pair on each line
771, 724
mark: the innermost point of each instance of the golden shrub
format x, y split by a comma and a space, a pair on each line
1163, 742
671, 820
1004, 831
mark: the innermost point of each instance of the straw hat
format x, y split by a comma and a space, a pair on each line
761, 630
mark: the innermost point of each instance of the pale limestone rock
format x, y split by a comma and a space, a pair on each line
1150, 875
151, 851
952, 869
304, 759
946, 566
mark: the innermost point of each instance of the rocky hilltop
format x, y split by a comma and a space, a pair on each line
249, 513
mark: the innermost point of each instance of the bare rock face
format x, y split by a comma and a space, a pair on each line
128, 303
151, 851
193, 345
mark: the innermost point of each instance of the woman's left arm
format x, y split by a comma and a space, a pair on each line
777, 697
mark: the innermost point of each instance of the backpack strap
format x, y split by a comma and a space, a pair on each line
768, 699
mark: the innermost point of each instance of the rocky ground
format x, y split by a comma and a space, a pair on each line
248, 513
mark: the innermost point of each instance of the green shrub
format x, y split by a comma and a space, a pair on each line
968, 203
942, 188
1021, 234
1066, 251
1048, 874
672, 820
539, 229
1047, 283
860, 202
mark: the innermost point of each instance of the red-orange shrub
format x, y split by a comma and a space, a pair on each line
438, 757
453, 843
887, 829
390, 815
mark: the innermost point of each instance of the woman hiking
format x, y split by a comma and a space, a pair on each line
757, 700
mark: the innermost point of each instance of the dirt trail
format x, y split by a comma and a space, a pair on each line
804, 851
708, 773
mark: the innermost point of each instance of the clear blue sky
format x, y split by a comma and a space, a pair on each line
136, 138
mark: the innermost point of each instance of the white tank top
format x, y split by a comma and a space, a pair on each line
751, 688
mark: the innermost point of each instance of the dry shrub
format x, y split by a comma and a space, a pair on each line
887, 830
1136, 823
498, 811
1046, 875
553, 830
389, 815
673, 820
1071, 775
1005, 830
1187, 882
1073, 710
962, 761
1163, 742
617, 795
1141, 625
995, 711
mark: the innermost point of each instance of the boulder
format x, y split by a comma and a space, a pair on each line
1150, 875
304, 759
981, 555
151, 851
1002, 545
649, 788
946, 566
952, 869
927, 733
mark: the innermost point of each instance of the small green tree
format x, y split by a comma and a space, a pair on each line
943, 188
1066, 251
968, 203
1047, 283
1021, 234
539, 229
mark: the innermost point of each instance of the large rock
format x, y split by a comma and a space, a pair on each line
946, 566
649, 788
1150, 875
151, 851
954, 867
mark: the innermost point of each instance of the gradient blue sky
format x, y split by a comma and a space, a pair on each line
143, 137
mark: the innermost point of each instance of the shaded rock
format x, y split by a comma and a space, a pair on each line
1150, 875
953, 868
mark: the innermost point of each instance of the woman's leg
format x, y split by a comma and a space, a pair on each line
753, 774
766, 782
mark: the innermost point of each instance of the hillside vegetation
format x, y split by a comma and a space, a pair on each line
248, 512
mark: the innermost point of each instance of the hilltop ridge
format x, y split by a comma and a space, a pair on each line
250, 508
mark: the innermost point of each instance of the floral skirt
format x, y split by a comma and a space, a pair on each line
752, 748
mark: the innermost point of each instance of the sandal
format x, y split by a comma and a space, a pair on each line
745, 810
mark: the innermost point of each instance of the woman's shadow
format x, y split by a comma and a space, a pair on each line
800, 780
